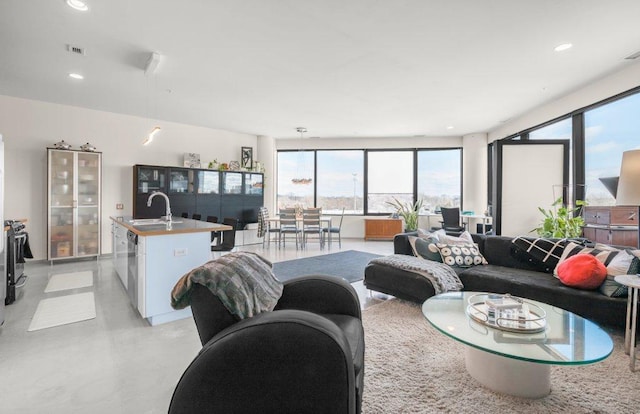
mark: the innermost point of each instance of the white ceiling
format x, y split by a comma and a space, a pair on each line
340, 68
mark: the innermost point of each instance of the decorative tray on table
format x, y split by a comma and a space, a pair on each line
506, 312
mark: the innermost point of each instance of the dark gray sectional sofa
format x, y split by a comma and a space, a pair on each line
504, 274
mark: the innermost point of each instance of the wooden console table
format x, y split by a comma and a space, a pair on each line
381, 228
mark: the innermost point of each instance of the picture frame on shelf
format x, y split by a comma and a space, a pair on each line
191, 160
234, 166
246, 157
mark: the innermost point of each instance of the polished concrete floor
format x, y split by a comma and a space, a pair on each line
115, 363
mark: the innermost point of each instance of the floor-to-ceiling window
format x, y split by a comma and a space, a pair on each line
364, 181
389, 176
610, 130
340, 179
296, 173
439, 178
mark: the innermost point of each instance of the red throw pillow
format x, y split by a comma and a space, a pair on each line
582, 271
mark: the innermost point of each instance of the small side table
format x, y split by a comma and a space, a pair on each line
633, 283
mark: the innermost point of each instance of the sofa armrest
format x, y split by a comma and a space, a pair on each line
285, 361
401, 243
320, 294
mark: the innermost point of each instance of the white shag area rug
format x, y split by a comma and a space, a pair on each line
410, 367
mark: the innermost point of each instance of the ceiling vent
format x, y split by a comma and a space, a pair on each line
76, 50
633, 56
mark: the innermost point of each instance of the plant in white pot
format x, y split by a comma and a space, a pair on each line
408, 212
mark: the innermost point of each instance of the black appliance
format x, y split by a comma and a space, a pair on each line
132, 268
17, 250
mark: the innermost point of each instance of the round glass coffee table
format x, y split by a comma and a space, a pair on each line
518, 363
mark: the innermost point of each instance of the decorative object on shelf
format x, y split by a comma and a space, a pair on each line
560, 222
234, 165
213, 165
62, 145
507, 313
191, 160
409, 212
88, 147
247, 157
224, 166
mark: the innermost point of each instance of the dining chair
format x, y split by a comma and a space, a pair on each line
266, 227
289, 225
311, 225
196, 216
330, 230
185, 215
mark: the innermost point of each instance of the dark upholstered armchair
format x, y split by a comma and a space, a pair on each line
306, 356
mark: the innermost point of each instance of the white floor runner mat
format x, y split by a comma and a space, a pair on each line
63, 310
64, 281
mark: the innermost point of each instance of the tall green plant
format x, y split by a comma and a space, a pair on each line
559, 221
409, 212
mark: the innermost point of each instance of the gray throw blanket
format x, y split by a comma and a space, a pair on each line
243, 282
441, 276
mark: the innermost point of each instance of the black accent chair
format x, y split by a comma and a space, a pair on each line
307, 356
185, 215
196, 216
228, 236
451, 221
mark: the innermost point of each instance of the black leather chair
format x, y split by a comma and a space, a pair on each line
196, 216
451, 221
306, 356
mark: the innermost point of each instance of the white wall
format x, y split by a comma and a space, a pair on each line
29, 127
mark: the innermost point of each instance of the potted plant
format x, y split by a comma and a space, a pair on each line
560, 222
409, 212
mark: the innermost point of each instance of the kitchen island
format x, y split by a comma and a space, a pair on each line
150, 256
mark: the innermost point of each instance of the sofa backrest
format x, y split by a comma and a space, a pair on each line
497, 251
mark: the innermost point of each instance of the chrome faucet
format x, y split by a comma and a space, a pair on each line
166, 199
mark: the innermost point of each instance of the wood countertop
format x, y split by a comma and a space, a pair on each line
178, 226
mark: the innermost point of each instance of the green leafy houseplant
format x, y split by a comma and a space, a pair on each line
409, 212
559, 221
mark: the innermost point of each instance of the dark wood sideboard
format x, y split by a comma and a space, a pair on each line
611, 225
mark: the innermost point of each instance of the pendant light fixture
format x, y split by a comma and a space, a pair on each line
301, 180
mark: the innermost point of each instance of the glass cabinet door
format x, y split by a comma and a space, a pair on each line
151, 179
253, 184
181, 181
208, 182
61, 203
88, 202
231, 182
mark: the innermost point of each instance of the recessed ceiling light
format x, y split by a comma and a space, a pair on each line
78, 5
76, 76
562, 47
450, 127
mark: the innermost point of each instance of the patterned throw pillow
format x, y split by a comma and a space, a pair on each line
617, 262
443, 237
461, 255
542, 253
425, 248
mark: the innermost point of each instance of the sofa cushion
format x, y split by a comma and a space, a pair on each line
614, 289
497, 251
582, 271
425, 248
460, 255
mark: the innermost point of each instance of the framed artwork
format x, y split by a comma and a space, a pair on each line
234, 165
247, 157
191, 160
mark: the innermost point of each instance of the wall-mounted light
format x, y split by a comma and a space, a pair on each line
76, 76
78, 5
149, 137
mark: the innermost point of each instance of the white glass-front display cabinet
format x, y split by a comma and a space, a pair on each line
74, 203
